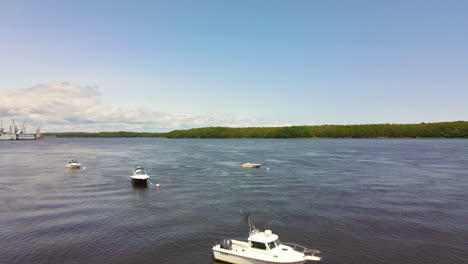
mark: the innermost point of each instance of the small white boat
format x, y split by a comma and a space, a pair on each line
262, 248
139, 176
73, 164
250, 165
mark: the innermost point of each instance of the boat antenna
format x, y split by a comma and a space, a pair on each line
252, 227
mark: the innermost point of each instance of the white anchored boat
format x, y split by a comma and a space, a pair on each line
73, 164
262, 248
139, 176
250, 165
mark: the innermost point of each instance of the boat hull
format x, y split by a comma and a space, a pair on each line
27, 137
232, 257
7, 136
19, 137
250, 165
73, 166
139, 181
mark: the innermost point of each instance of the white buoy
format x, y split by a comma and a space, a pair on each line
84, 168
157, 185
268, 168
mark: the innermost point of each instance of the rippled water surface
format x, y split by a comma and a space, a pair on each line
359, 201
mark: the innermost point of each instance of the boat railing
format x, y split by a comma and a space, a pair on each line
302, 249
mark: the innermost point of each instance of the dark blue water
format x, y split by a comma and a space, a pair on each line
357, 200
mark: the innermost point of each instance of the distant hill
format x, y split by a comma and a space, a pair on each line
458, 129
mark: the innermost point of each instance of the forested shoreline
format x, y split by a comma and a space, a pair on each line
458, 129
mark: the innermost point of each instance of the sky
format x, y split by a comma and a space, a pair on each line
164, 65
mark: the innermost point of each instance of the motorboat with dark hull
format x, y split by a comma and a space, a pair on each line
139, 176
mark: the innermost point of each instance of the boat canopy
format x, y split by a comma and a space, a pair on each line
263, 237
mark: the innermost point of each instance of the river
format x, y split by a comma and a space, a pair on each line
356, 200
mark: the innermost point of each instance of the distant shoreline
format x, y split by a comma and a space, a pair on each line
458, 129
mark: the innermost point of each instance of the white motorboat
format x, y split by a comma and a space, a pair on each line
250, 165
139, 176
73, 164
262, 248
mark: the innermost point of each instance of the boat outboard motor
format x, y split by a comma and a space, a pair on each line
226, 244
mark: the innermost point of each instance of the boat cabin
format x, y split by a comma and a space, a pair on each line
73, 161
140, 171
264, 240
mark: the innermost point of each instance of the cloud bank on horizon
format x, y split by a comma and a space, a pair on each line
63, 107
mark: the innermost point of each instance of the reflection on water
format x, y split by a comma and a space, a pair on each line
359, 201
140, 190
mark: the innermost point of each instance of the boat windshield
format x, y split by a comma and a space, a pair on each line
258, 245
272, 245
140, 172
277, 242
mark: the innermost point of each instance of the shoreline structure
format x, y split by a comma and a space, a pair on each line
457, 129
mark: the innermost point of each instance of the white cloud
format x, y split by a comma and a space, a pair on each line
65, 107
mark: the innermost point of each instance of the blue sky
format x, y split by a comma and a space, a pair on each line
235, 63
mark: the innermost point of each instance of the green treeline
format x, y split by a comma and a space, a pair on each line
457, 129
444, 130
